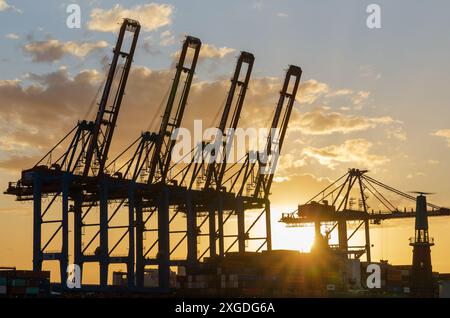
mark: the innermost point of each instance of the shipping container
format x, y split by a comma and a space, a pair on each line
16, 291
394, 275
32, 290
444, 289
18, 282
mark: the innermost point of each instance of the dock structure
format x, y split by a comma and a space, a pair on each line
142, 193
347, 200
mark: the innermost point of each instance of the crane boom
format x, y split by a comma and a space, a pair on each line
172, 118
106, 118
214, 170
274, 144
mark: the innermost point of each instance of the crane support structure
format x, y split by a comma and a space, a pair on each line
215, 172
134, 203
65, 178
106, 119
173, 116
278, 132
256, 173
348, 199
208, 164
209, 159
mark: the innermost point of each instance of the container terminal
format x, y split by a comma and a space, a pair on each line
142, 193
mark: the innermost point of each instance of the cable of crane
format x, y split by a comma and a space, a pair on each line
270, 119
123, 152
102, 84
57, 145
216, 116
386, 205
91, 105
159, 109
410, 197
179, 161
324, 190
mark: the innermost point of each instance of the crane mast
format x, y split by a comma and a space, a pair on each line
208, 162
141, 198
172, 117
215, 172
106, 119
277, 132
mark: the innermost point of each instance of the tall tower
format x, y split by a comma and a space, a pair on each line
422, 284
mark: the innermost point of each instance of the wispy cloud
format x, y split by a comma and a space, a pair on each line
151, 16
282, 15
210, 51
311, 90
353, 151
167, 38
322, 122
4, 6
12, 36
369, 71
445, 133
53, 50
359, 98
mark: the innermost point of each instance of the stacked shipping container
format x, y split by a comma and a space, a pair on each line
15, 283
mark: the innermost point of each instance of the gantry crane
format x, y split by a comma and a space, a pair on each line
144, 184
209, 161
161, 157
210, 167
256, 173
335, 206
151, 157
71, 173
150, 162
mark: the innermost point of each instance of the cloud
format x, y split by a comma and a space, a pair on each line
42, 109
417, 174
353, 151
40, 113
53, 50
5, 6
210, 51
151, 17
282, 15
396, 133
149, 46
341, 92
321, 122
445, 133
368, 71
12, 36
355, 98
360, 98
17, 163
167, 38
311, 90
287, 191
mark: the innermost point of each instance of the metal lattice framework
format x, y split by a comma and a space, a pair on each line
72, 173
337, 208
135, 194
